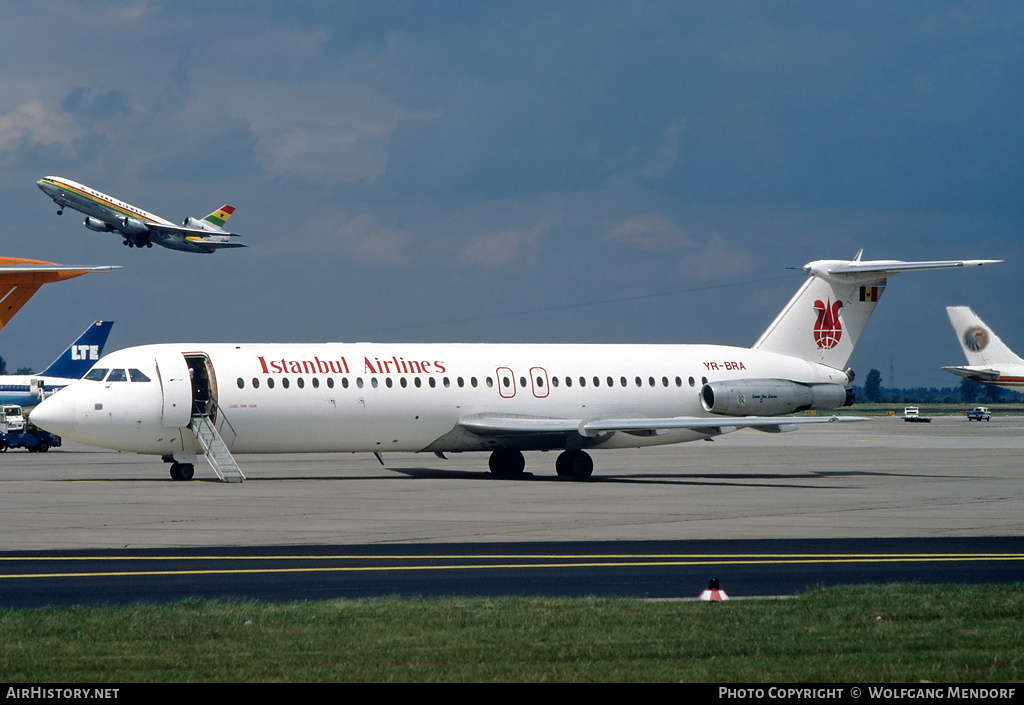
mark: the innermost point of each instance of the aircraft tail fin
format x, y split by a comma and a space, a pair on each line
81, 354
980, 344
825, 318
220, 216
21, 278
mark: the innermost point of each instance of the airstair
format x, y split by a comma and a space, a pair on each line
215, 449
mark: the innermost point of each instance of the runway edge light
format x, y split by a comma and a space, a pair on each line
714, 593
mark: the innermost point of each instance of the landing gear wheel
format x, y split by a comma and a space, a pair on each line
575, 464
182, 471
507, 463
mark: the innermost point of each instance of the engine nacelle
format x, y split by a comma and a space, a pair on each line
97, 225
133, 226
771, 397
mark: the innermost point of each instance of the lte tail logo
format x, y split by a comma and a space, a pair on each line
85, 352
827, 329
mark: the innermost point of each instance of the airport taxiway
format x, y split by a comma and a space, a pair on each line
878, 479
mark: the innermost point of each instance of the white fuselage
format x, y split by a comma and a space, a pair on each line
276, 398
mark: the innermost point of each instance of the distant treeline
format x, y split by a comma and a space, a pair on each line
969, 392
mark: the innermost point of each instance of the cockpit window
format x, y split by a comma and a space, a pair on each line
97, 374
117, 376
137, 375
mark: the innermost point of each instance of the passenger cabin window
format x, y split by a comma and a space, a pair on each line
97, 374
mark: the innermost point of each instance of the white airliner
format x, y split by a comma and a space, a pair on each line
503, 398
28, 390
106, 214
989, 360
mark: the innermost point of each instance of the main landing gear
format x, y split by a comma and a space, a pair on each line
574, 464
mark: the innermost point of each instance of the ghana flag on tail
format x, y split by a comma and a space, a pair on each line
220, 216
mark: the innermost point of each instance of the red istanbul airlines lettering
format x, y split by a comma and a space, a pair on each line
338, 366
399, 365
307, 367
827, 329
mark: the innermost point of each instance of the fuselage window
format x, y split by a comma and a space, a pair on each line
568, 381
703, 380
417, 382
301, 383
639, 382
679, 381
664, 381
505, 382
316, 383
432, 382
461, 382
270, 382
522, 382
241, 383
118, 376
137, 375
540, 382
554, 381
597, 381
284, 382
401, 381
255, 382
447, 382
583, 381
610, 381
388, 382
472, 381
622, 381
650, 380
373, 382
692, 382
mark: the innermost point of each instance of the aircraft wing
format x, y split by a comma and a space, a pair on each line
978, 373
508, 425
185, 231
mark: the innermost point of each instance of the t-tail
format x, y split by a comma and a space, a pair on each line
825, 318
989, 359
82, 354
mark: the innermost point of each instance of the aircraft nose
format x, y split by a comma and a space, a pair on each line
56, 414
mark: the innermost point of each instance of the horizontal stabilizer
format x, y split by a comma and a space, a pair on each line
824, 320
976, 373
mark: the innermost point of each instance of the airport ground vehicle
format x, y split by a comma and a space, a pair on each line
979, 413
911, 413
16, 432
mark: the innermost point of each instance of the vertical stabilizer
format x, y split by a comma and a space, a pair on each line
826, 317
81, 354
979, 343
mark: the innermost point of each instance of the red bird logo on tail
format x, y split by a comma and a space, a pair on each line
827, 329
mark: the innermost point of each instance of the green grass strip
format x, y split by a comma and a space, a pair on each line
895, 633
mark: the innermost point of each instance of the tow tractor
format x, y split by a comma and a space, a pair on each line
17, 432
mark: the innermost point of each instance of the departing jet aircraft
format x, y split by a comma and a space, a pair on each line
989, 360
106, 214
182, 400
28, 390
21, 278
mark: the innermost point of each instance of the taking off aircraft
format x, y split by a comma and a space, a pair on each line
182, 400
28, 390
106, 214
989, 360
21, 278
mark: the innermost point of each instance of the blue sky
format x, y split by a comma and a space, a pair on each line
517, 171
